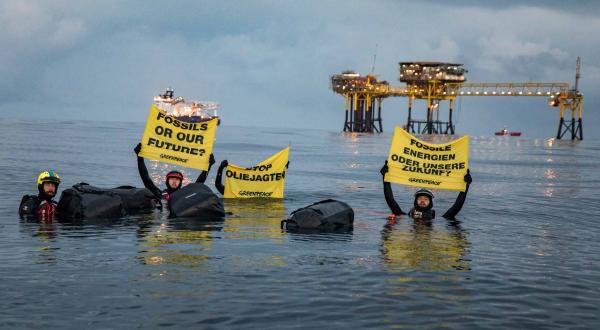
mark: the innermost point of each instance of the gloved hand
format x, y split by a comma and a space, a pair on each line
211, 160
138, 148
384, 169
468, 178
224, 163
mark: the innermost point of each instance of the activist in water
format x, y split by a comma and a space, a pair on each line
42, 207
173, 179
423, 203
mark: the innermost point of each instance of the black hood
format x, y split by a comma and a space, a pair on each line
423, 209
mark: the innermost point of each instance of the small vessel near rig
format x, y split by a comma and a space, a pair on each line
187, 111
505, 132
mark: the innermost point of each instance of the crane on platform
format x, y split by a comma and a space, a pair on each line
436, 82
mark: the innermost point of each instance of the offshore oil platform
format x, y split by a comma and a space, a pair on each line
436, 82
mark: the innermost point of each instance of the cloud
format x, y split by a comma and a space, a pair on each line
33, 37
267, 62
67, 32
508, 46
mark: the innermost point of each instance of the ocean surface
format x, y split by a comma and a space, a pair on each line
524, 254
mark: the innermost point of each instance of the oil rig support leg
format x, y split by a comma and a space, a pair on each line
409, 124
576, 125
429, 117
346, 126
379, 114
561, 122
580, 119
573, 124
368, 122
450, 126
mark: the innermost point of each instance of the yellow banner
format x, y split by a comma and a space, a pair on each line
265, 180
169, 140
417, 163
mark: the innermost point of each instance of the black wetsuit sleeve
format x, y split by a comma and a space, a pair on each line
389, 199
202, 177
146, 178
28, 207
218, 179
458, 204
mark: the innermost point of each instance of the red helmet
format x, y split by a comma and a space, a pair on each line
175, 174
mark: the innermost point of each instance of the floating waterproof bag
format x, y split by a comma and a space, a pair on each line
83, 201
328, 214
136, 200
195, 200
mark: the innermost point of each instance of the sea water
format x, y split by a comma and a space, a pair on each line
524, 253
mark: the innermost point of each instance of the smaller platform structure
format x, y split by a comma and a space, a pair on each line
363, 96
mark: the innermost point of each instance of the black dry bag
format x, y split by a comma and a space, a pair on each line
195, 200
328, 214
84, 201
136, 200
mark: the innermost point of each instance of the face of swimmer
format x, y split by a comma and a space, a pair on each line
423, 201
173, 183
49, 189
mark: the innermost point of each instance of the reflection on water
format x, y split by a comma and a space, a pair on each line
254, 218
411, 245
189, 242
255, 223
46, 234
184, 242
313, 235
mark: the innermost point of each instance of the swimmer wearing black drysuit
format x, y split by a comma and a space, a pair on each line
42, 208
423, 203
173, 179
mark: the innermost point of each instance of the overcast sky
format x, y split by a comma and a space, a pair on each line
268, 62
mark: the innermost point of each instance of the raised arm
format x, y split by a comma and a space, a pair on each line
218, 179
460, 199
389, 194
204, 174
144, 173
